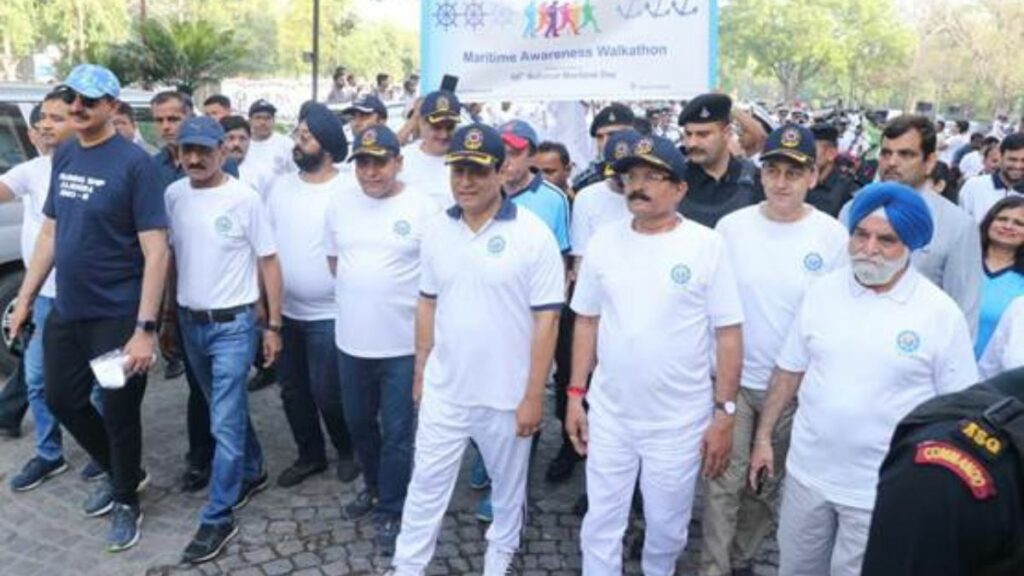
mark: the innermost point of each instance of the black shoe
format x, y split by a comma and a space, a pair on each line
264, 377
195, 479
11, 432
297, 473
249, 489
580, 507
348, 470
748, 571
562, 465
387, 534
174, 369
208, 542
359, 508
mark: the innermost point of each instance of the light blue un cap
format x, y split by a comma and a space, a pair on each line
93, 81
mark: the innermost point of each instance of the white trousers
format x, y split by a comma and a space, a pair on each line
442, 435
818, 537
668, 462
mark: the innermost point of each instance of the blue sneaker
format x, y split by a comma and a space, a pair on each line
102, 499
484, 511
37, 471
124, 532
92, 472
478, 478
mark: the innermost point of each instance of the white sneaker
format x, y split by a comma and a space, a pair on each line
498, 562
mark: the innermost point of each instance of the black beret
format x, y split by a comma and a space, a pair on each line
825, 132
706, 108
612, 115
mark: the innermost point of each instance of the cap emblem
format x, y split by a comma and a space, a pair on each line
644, 146
790, 138
611, 116
369, 137
443, 105
621, 150
474, 140
704, 112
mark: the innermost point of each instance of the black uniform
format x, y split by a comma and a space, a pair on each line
951, 490
830, 195
708, 200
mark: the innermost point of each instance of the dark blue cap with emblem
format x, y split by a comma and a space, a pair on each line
262, 105
654, 151
440, 106
617, 147
378, 142
476, 143
201, 131
368, 104
791, 142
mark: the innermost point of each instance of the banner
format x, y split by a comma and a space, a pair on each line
571, 49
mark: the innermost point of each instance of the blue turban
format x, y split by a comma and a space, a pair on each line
906, 210
326, 128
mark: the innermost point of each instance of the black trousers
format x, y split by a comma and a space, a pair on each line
14, 398
563, 365
114, 440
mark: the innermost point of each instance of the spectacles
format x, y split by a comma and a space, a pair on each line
68, 96
645, 178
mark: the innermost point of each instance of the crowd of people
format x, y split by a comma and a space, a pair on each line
715, 299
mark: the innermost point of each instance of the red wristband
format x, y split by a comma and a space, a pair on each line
575, 392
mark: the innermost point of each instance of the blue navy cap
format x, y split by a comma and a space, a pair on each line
201, 131
518, 134
617, 147
368, 104
476, 143
792, 142
93, 81
654, 151
262, 105
440, 106
376, 141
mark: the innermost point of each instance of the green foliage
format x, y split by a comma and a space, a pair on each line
76, 25
17, 34
380, 48
295, 30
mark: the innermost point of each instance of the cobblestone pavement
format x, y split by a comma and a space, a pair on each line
283, 531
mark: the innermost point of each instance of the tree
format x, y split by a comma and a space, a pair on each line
17, 35
380, 48
295, 29
76, 25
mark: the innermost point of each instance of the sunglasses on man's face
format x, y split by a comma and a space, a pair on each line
69, 96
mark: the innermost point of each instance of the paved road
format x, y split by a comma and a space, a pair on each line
283, 531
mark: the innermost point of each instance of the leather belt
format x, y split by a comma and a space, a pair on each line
219, 316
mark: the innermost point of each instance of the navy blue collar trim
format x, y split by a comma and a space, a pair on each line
507, 211
533, 186
998, 182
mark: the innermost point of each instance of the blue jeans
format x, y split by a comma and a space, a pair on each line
220, 355
49, 443
310, 391
381, 386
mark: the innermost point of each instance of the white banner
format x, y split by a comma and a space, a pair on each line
571, 49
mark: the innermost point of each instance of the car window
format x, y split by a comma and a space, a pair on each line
15, 147
146, 126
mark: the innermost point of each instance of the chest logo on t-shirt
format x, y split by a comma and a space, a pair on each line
496, 245
813, 262
402, 228
223, 225
681, 274
908, 341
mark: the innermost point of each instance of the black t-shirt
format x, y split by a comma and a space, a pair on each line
833, 193
101, 198
929, 520
708, 200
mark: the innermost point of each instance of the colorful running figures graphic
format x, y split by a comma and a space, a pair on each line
554, 19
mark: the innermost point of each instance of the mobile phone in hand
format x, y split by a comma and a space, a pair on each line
18, 345
762, 475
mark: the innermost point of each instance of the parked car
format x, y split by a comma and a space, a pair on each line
16, 102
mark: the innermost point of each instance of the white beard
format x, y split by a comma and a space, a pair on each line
878, 272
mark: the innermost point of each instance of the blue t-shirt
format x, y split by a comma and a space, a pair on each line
997, 291
101, 197
550, 205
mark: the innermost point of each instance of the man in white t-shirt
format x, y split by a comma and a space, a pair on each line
777, 249
268, 148
310, 389
373, 247
650, 324
29, 182
868, 344
237, 138
423, 165
491, 287
979, 194
222, 242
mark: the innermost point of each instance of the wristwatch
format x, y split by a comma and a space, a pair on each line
275, 328
729, 407
147, 326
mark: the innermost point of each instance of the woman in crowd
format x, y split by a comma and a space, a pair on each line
1002, 244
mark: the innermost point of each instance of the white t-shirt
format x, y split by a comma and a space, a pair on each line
953, 143
30, 183
217, 234
774, 263
274, 154
298, 212
258, 176
972, 164
658, 297
377, 243
595, 206
1005, 350
427, 174
979, 194
868, 359
487, 285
